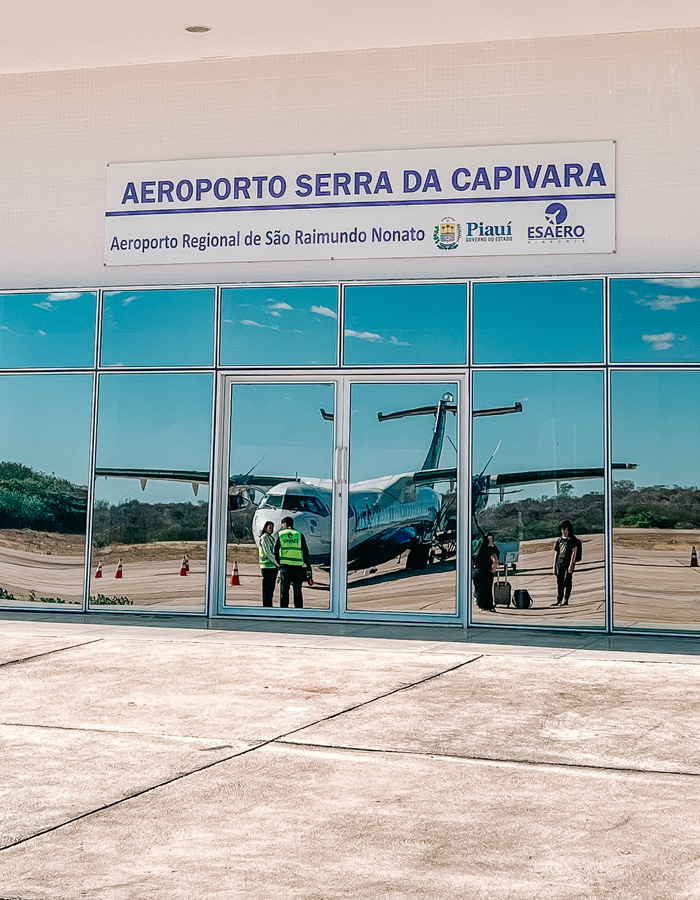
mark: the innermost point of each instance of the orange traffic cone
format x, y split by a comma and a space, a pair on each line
98, 573
234, 575
183, 566
118, 573
187, 563
693, 559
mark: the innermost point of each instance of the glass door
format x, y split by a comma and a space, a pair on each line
361, 477
403, 496
279, 496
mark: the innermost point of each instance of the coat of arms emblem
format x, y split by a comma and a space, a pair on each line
447, 234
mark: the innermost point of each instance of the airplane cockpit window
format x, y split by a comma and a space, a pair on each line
47, 330
538, 322
272, 501
279, 326
295, 502
172, 327
405, 324
655, 320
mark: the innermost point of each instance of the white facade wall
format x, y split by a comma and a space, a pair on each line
60, 129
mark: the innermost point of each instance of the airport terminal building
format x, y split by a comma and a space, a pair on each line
406, 295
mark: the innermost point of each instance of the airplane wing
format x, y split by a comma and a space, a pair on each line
542, 476
190, 476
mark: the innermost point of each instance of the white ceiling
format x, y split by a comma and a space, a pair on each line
42, 35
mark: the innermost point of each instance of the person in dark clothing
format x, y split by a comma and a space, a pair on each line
485, 567
567, 551
292, 555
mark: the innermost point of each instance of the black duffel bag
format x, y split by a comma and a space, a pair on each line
522, 599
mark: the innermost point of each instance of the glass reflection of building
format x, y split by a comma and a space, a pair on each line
396, 423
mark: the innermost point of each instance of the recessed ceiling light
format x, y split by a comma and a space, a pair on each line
197, 29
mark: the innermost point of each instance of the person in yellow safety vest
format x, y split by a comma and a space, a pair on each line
268, 564
292, 554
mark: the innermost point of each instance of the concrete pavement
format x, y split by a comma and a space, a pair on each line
187, 760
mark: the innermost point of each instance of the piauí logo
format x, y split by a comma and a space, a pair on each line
447, 234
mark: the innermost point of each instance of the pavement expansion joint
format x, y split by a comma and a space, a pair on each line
121, 731
24, 659
244, 752
495, 760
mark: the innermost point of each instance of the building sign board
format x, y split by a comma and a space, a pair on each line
470, 201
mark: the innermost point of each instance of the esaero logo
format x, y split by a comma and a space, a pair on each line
447, 234
554, 228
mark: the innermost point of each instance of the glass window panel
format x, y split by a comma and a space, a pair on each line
152, 492
402, 525
44, 464
283, 467
172, 327
656, 507
538, 322
47, 330
538, 461
655, 319
279, 326
406, 324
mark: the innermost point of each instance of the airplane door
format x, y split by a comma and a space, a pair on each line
276, 463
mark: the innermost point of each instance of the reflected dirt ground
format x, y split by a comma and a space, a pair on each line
150, 576
534, 574
654, 584
40, 569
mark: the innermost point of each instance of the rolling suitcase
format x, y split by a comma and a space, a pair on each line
501, 590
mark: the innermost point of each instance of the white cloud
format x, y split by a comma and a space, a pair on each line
686, 283
279, 305
397, 343
272, 312
364, 336
57, 296
44, 304
251, 323
324, 311
127, 300
6, 328
667, 301
663, 341
42, 333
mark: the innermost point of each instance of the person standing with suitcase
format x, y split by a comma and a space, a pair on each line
486, 560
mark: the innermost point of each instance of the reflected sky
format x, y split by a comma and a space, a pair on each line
538, 322
46, 423
47, 330
561, 425
654, 426
158, 328
277, 429
400, 445
155, 422
655, 319
273, 326
405, 324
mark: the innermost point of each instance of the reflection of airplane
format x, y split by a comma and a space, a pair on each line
388, 515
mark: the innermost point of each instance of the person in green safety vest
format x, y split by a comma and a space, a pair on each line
268, 564
292, 554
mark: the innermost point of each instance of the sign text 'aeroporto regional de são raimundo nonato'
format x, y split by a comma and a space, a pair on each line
471, 201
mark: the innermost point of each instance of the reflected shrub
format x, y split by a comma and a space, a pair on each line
102, 600
538, 519
655, 507
31, 499
142, 523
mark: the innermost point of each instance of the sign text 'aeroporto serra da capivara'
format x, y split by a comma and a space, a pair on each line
474, 201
